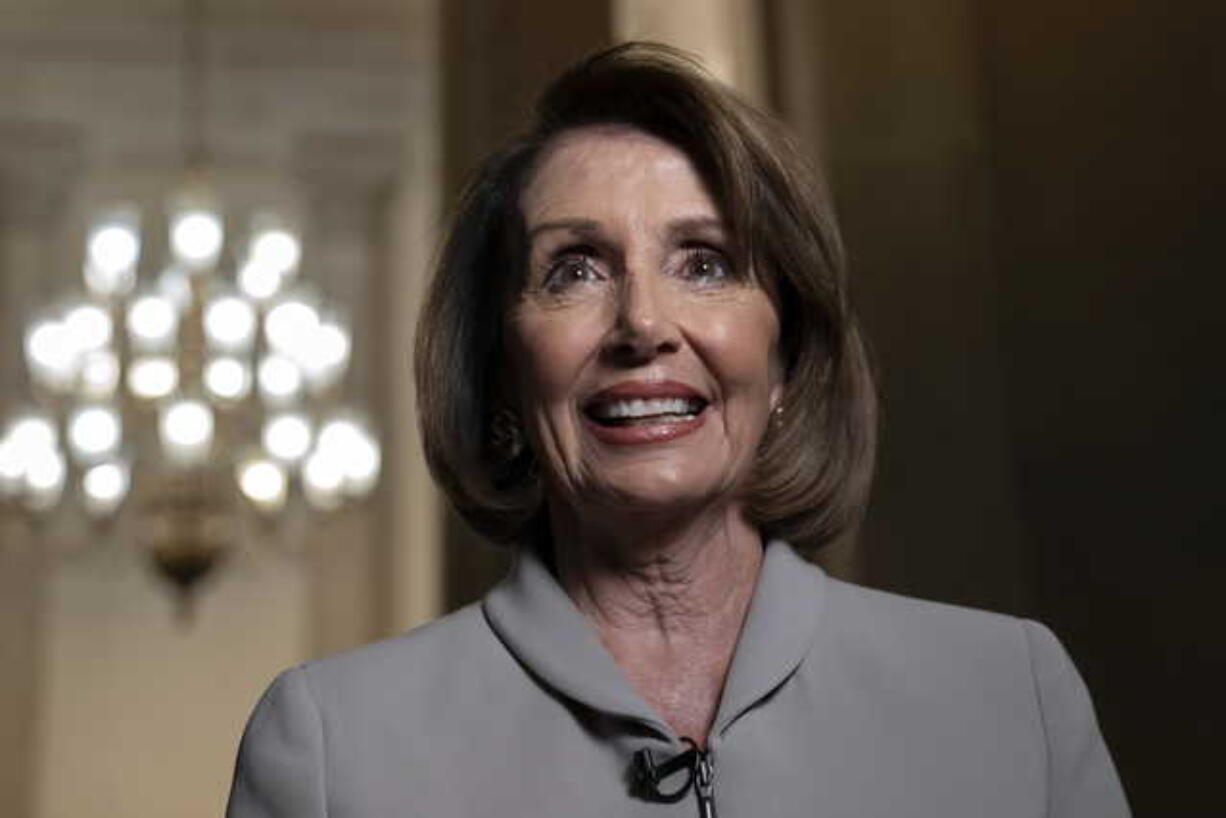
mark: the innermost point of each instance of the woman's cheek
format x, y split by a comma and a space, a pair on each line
554, 348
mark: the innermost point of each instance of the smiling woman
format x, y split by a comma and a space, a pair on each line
638, 367
645, 358
653, 189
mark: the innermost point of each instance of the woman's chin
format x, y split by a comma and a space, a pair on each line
654, 490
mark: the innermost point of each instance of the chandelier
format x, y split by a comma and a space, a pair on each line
194, 381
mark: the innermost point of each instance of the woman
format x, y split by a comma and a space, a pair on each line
638, 368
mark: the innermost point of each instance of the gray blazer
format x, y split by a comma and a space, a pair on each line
840, 701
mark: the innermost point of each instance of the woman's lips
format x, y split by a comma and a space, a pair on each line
648, 430
640, 412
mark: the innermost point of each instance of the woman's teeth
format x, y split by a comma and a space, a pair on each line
631, 410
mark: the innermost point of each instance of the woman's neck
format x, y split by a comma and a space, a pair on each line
667, 601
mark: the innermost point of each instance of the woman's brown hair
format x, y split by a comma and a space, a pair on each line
811, 479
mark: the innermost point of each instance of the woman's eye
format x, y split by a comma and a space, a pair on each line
707, 265
569, 269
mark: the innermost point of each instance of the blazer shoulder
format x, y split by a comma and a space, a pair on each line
1006, 682
919, 634
884, 607
429, 654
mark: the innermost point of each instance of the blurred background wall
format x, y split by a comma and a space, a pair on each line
109, 705
1026, 193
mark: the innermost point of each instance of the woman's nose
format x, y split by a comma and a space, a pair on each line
645, 325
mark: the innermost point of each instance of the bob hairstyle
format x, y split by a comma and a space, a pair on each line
811, 479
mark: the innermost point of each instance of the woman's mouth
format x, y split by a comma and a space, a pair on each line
637, 413
645, 410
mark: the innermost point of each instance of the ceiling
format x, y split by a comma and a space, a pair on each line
330, 15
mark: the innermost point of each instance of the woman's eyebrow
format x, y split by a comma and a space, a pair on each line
569, 225
689, 225
679, 228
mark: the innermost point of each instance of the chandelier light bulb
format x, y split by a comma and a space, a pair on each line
362, 466
355, 450
322, 480
277, 250
45, 344
105, 284
229, 323
99, 374
326, 354
258, 281
46, 471
113, 249
279, 378
94, 431
227, 379
153, 377
337, 435
105, 486
31, 435
290, 326
263, 482
174, 284
12, 469
287, 437
332, 344
152, 321
44, 479
196, 237
52, 357
186, 430
88, 327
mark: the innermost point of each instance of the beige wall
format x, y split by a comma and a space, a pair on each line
21, 589
725, 34
138, 713
413, 560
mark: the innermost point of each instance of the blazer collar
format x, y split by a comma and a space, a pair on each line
542, 628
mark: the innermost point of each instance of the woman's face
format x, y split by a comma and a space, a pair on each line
644, 360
